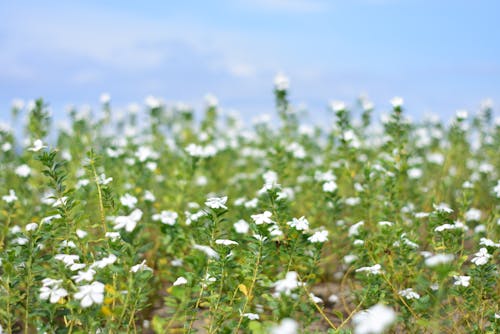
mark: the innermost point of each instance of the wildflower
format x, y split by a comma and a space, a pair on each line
23, 170
300, 224
496, 189
274, 230
11, 197
397, 102
349, 258
330, 186
281, 82
104, 262
262, 218
385, 223
128, 201
481, 257
409, 294
438, 259
104, 180
337, 105
442, 207
90, 294
286, 285
105, 98
60, 201
319, 236
462, 280
251, 316
473, 215
315, 299
333, 299
488, 243
81, 233
216, 202
241, 226
374, 320
128, 222
354, 229
20, 241
140, 267
225, 242
207, 250
52, 290
113, 235
166, 217
37, 146
67, 259
149, 197
374, 270
180, 281
49, 219
31, 227
84, 276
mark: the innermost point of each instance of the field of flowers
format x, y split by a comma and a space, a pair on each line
152, 220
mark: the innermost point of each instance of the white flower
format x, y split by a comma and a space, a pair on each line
462, 280
20, 241
281, 82
409, 294
374, 320
216, 202
60, 201
37, 146
49, 219
90, 294
81, 233
207, 250
315, 299
488, 243
84, 276
113, 235
385, 223
149, 197
435, 260
337, 105
442, 207
374, 270
67, 259
329, 186
211, 100
251, 316
349, 258
110, 259
53, 292
286, 326
300, 224
473, 215
31, 226
23, 170
241, 226
354, 229
262, 218
166, 217
128, 201
481, 257
225, 242
286, 285
103, 180
105, 98
496, 189
333, 299
140, 267
319, 236
397, 102
180, 281
128, 222
11, 197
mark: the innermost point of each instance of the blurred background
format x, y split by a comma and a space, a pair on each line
439, 55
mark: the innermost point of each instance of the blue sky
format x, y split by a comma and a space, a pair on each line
439, 55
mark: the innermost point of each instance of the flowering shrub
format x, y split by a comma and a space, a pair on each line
140, 222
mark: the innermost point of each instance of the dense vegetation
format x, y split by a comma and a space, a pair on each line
148, 219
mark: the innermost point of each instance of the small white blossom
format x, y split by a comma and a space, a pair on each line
128, 222
31, 227
225, 242
281, 82
286, 285
462, 280
166, 217
81, 233
300, 224
319, 236
481, 257
128, 201
251, 316
11, 197
180, 281
90, 294
409, 294
241, 226
23, 170
216, 202
84, 276
330, 186
374, 270
53, 292
374, 320
438, 259
207, 250
397, 102
37, 146
140, 267
113, 236
262, 218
